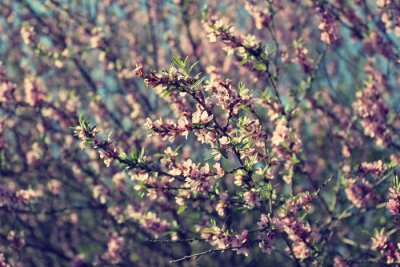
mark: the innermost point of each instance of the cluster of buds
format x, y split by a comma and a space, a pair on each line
252, 198
381, 243
301, 234
261, 15
198, 179
20, 197
302, 58
148, 220
275, 109
284, 140
108, 154
328, 27
302, 201
35, 154
253, 136
101, 193
268, 228
170, 129
393, 205
28, 34
229, 99
222, 204
187, 122
96, 37
157, 187
240, 243
26, 195
373, 113
376, 168
244, 47
360, 192
166, 79
154, 224
390, 15
35, 91
222, 239
221, 28
88, 135
201, 116
115, 248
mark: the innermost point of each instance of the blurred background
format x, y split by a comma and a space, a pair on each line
59, 204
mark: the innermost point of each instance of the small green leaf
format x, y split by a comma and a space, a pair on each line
178, 62
208, 230
141, 154
223, 153
198, 82
181, 209
191, 67
211, 156
260, 67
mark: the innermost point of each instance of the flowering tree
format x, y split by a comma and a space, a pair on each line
228, 132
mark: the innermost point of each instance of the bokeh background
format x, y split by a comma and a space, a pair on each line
60, 205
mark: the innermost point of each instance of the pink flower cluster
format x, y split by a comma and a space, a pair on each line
360, 192
302, 58
148, 220
221, 239
35, 91
107, 150
373, 112
329, 30
393, 205
381, 243
172, 78
243, 47
17, 198
114, 250
260, 14
376, 169
268, 230
198, 179
301, 234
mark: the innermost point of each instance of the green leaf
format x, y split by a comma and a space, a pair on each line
396, 182
198, 82
166, 92
208, 230
181, 209
223, 153
141, 154
134, 155
191, 67
260, 67
109, 135
185, 61
123, 155
211, 156
178, 62
213, 222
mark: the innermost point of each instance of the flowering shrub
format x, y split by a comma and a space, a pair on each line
151, 133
